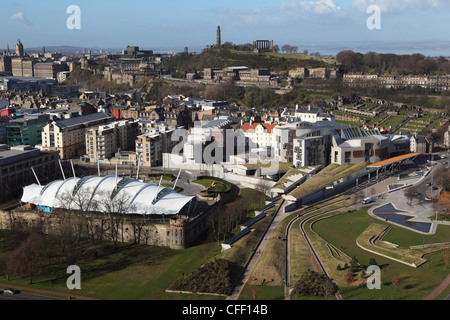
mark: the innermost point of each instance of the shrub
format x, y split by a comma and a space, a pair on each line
314, 284
213, 277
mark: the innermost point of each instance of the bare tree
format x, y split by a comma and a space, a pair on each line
74, 221
115, 207
218, 223
410, 194
28, 259
357, 198
264, 188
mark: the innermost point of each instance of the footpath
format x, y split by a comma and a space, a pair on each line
439, 289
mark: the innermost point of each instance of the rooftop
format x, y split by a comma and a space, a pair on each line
82, 119
18, 153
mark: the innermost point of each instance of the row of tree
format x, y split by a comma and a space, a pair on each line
372, 62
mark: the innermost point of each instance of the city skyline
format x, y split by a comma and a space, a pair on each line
174, 25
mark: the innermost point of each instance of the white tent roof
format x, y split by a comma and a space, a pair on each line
106, 194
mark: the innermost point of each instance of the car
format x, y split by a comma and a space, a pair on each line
435, 188
429, 199
367, 200
429, 184
10, 291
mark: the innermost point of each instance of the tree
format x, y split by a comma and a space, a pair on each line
348, 278
410, 194
357, 198
395, 282
446, 258
264, 187
72, 223
115, 207
29, 258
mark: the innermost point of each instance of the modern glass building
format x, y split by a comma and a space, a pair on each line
27, 130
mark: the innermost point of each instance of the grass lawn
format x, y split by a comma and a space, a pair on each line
130, 273
213, 185
393, 121
328, 175
250, 292
415, 284
350, 123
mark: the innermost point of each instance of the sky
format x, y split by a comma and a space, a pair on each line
178, 23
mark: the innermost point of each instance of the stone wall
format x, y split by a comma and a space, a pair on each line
177, 232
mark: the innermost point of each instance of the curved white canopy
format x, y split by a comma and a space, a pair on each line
108, 194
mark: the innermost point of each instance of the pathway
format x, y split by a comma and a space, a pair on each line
258, 252
439, 289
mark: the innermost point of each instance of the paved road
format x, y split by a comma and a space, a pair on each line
24, 296
40, 291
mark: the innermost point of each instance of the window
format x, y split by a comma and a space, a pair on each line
348, 157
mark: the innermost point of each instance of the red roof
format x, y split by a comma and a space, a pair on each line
268, 126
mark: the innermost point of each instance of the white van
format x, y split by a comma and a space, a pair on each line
367, 200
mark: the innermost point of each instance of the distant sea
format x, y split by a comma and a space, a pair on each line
430, 49
427, 48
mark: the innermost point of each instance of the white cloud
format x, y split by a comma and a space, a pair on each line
19, 16
320, 6
395, 6
283, 14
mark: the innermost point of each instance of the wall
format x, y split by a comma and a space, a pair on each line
176, 233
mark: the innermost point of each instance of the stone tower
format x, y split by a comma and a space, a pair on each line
19, 48
177, 233
219, 37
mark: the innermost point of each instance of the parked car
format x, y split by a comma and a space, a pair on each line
429, 199
10, 291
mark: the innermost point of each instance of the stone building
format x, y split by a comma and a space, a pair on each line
22, 67
15, 169
19, 49
68, 136
104, 141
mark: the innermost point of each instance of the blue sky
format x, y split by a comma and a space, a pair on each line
177, 23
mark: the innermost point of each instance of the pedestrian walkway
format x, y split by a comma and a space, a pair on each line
281, 215
439, 289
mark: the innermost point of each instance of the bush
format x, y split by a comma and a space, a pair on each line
213, 277
314, 284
